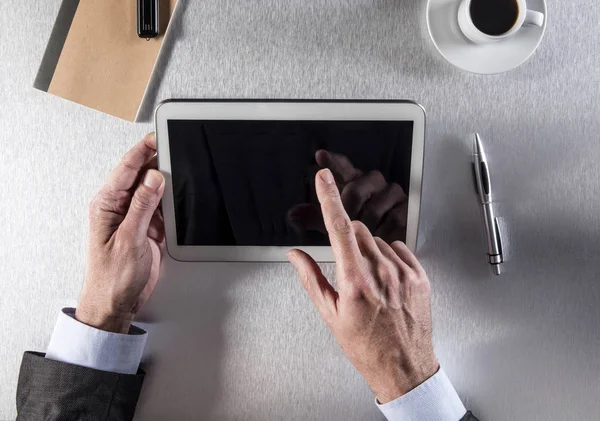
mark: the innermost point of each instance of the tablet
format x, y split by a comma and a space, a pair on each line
240, 175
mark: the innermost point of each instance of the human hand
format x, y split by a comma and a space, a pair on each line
126, 239
367, 197
380, 313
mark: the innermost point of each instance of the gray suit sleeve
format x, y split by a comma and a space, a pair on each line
55, 391
469, 417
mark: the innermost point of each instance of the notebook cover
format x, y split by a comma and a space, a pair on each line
103, 64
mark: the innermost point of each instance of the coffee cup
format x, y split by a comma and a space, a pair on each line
485, 21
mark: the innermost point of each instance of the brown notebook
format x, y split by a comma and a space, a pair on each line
102, 64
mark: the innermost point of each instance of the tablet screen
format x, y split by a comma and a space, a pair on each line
252, 183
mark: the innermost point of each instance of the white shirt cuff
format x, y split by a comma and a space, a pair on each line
433, 400
76, 343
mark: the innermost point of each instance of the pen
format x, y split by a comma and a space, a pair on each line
484, 191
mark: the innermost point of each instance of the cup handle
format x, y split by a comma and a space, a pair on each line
534, 18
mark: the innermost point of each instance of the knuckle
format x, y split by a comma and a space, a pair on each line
142, 200
411, 277
415, 279
305, 278
124, 240
354, 293
406, 274
341, 225
387, 274
126, 162
417, 286
108, 200
99, 205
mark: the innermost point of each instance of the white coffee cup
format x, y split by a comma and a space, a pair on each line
525, 17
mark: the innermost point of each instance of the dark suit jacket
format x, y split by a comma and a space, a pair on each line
54, 391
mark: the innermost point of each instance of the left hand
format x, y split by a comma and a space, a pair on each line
126, 239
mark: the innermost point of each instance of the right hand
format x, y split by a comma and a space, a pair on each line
380, 313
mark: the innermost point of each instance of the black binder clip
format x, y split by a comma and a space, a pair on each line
147, 19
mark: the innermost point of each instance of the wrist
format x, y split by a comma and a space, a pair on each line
102, 319
391, 387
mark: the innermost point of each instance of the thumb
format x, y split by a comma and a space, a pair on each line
145, 200
320, 291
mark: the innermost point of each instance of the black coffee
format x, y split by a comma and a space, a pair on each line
494, 17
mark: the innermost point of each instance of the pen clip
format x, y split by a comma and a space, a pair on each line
474, 176
499, 237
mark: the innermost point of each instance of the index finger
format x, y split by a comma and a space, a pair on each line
341, 235
125, 175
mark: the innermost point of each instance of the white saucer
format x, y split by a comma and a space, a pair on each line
498, 57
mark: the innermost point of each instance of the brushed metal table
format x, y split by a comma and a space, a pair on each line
242, 341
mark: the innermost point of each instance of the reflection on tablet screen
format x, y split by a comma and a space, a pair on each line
251, 183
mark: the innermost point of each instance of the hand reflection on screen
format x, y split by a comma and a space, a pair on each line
367, 197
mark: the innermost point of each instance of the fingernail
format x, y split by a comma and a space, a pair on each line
326, 176
153, 180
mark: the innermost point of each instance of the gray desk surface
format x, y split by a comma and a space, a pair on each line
242, 341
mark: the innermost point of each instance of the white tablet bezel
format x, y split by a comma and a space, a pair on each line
282, 110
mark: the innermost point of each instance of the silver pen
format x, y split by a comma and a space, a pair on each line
484, 191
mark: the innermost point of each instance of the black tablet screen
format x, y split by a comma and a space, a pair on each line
251, 183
